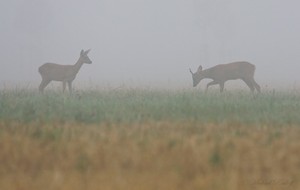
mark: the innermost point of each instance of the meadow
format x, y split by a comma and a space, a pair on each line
149, 139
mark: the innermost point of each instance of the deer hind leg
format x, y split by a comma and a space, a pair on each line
257, 87
43, 85
249, 84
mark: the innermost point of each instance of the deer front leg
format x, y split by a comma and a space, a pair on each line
70, 86
221, 86
64, 86
209, 84
43, 85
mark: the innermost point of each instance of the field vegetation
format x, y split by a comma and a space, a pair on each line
149, 139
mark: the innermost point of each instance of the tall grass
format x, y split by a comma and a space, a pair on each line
149, 139
135, 105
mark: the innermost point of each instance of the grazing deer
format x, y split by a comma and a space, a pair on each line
222, 73
64, 73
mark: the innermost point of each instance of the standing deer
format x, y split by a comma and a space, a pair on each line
222, 73
64, 73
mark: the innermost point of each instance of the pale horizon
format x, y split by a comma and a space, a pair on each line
149, 43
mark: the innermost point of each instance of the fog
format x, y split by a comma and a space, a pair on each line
149, 43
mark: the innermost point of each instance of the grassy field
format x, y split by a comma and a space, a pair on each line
149, 139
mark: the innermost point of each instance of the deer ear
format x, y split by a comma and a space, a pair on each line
81, 53
199, 69
87, 51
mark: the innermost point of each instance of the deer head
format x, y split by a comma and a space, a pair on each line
84, 58
197, 77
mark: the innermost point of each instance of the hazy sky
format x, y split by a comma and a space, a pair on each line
149, 42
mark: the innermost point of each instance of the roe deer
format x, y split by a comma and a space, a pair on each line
64, 73
224, 72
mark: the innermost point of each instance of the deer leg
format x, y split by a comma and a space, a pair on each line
222, 86
209, 84
257, 87
43, 85
64, 86
249, 84
70, 86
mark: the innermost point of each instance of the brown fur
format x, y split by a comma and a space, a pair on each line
64, 73
224, 72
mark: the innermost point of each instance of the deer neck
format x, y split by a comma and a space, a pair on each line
206, 73
77, 66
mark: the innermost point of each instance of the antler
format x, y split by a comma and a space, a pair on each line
191, 71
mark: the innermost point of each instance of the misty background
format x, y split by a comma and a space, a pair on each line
149, 43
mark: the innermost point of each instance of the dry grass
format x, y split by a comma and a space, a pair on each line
148, 155
147, 139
